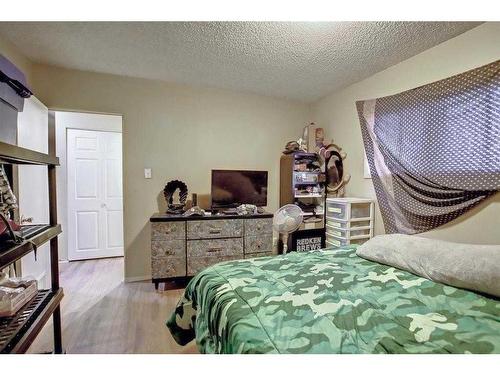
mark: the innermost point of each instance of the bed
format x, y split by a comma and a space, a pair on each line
330, 301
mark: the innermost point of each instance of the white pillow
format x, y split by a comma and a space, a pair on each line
475, 267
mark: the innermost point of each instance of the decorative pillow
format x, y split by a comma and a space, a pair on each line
475, 267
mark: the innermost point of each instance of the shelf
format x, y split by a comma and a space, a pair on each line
308, 196
10, 254
306, 183
18, 332
302, 153
306, 225
308, 172
313, 214
11, 154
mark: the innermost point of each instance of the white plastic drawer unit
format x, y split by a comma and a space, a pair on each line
360, 232
332, 241
343, 224
349, 208
349, 221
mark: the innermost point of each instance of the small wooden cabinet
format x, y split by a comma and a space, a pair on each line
183, 246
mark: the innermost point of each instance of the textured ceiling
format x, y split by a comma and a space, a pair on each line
302, 61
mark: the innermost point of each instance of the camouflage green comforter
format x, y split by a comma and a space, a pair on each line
330, 301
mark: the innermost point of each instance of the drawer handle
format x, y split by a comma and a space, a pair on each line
214, 249
215, 231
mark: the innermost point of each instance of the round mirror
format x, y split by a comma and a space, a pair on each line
334, 169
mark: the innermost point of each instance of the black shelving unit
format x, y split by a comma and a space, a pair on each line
292, 179
298, 171
19, 331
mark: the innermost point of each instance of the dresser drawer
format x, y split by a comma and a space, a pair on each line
214, 228
163, 267
259, 244
195, 265
215, 248
162, 248
258, 226
175, 230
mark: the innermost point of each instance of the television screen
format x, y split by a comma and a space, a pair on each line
232, 188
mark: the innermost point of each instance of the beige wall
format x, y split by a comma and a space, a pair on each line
337, 114
178, 131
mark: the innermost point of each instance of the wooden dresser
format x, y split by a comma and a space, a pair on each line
182, 246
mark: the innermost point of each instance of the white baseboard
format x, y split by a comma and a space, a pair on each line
137, 278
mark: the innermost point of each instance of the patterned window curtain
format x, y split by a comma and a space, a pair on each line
434, 151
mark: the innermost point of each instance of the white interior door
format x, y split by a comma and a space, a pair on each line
32, 133
95, 199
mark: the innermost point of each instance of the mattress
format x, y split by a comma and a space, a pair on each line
330, 301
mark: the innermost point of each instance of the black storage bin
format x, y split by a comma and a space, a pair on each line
10, 102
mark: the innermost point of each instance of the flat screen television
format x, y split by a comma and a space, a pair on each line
230, 188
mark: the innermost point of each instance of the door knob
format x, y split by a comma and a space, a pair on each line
103, 205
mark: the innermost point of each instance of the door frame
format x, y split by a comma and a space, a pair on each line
80, 120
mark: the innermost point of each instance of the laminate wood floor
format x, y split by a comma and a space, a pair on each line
102, 314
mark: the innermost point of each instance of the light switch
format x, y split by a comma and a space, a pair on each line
147, 172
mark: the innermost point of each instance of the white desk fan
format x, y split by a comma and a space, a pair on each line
287, 220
